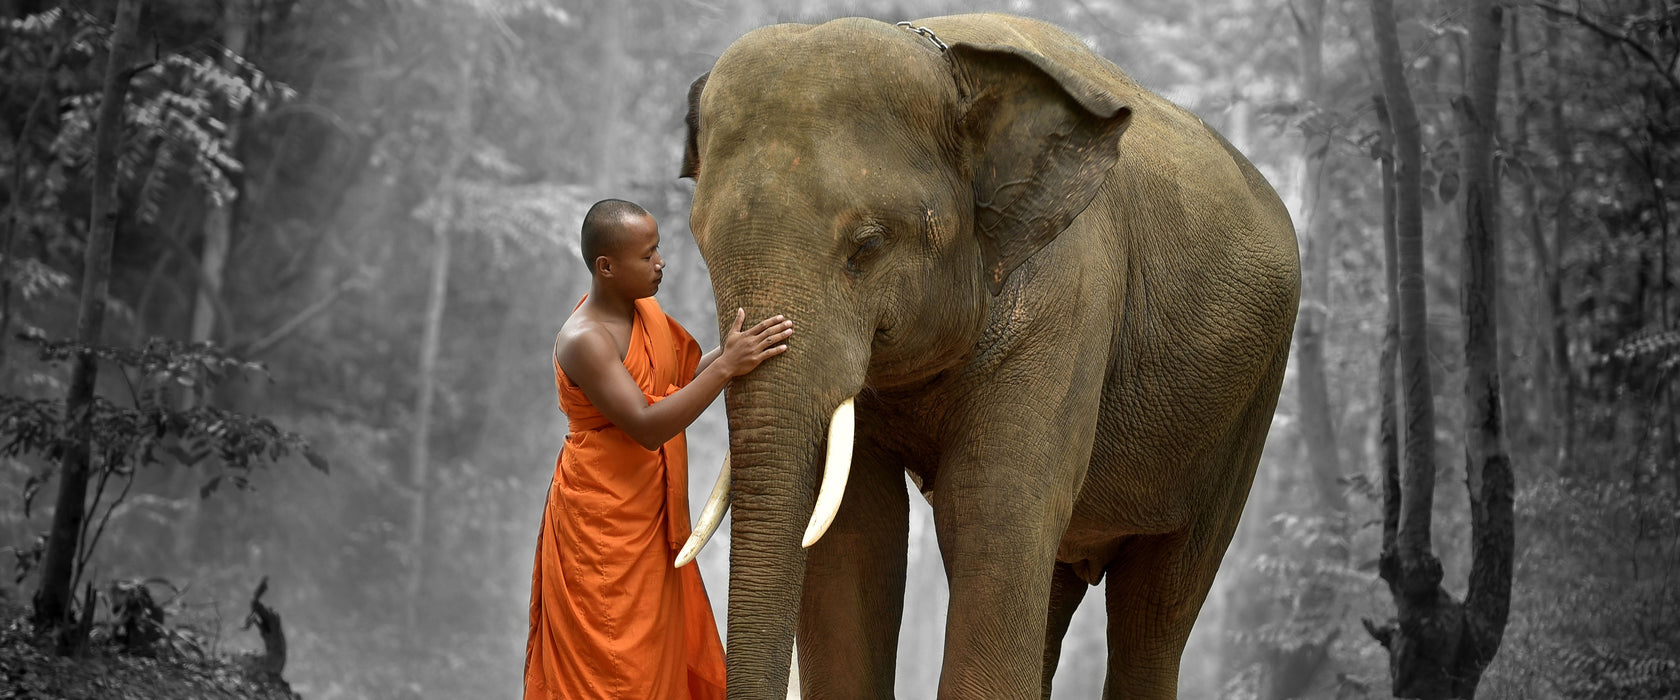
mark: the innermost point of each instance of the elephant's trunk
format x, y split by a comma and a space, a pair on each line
773, 455
837, 468
780, 417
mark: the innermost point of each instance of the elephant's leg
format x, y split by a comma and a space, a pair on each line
1157, 585
1153, 595
1001, 504
1066, 590
853, 600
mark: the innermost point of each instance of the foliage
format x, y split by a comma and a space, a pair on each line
1607, 630
173, 128
151, 429
180, 668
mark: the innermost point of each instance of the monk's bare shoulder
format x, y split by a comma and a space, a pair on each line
582, 346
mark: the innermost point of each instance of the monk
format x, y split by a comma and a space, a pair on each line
610, 616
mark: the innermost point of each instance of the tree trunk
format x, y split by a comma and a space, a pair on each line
208, 302
1543, 417
1423, 642
442, 225
218, 220
1438, 648
1387, 379
1289, 671
1319, 429
1562, 151
1418, 482
1488, 600
52, 599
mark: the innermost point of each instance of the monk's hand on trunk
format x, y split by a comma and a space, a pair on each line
744, 350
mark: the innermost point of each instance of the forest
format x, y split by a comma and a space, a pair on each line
279, 282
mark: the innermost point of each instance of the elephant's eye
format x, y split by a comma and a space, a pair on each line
866, 241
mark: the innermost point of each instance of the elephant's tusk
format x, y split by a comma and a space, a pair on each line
841, 430
716, 505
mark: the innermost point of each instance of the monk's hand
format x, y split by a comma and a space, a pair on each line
744, 350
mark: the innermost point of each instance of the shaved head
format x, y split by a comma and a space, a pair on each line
603, 228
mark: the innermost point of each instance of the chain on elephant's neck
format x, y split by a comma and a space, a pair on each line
924, 31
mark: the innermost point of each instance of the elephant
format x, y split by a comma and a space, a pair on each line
1058, 302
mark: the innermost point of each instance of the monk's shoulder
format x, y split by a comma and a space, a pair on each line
584, 344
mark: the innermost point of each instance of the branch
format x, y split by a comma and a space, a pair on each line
261, 345
1644, 52
84, 545
100, 531
129, 74
224, 317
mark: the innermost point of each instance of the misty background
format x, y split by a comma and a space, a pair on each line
379, 200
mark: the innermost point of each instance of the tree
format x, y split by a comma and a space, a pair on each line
52, 599
442, 213
1438, 647
1488, 600
11, 271
218, 220
1291, 666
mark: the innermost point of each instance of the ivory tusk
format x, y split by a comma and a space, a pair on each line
841, 431
716, 505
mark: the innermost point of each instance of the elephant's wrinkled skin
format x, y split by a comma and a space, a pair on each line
1074, 341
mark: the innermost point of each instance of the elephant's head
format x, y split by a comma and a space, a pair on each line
878, 190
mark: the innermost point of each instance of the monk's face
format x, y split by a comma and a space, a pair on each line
636, 265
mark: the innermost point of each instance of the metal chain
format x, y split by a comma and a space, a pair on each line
924, 31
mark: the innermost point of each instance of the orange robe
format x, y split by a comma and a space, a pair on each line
610, 616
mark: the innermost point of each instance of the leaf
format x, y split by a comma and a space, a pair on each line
33, 487
316, 460
209, 487
180, 454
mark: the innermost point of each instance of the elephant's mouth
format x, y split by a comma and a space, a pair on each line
842, 431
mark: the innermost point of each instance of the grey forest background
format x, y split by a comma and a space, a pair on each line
378, 200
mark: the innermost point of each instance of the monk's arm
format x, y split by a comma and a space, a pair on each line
590, 360
706, 359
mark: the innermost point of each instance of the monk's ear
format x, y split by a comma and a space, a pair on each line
691, 146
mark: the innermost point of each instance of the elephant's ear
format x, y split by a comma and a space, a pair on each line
1041, 141
691, 145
